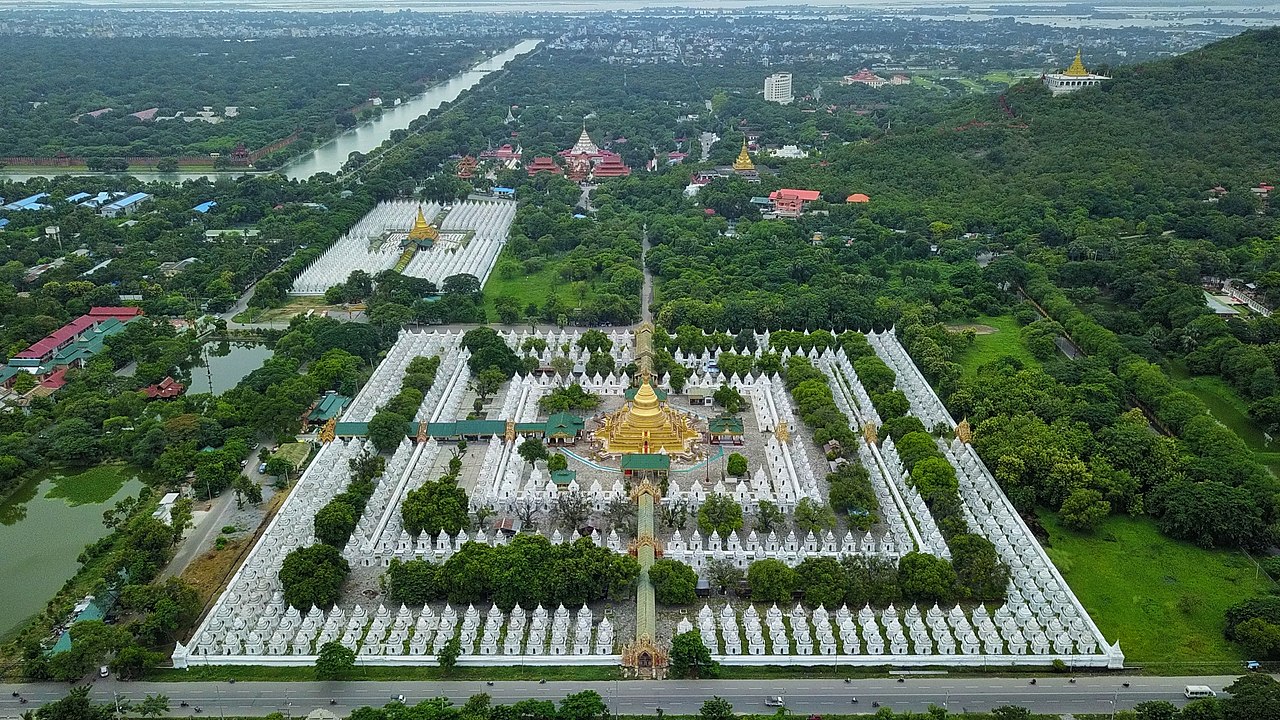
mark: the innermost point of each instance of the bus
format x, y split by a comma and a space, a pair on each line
1199, 691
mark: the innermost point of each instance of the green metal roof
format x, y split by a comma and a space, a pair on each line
351, 429
646, 461
530, 427
96, 610
466, 427
630, 393
725, 424
328, 407
564, 477
564, 425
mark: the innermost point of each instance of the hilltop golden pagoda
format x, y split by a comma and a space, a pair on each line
1075, 77
423, 233
743, 163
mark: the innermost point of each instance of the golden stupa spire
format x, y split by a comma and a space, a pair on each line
423, 230
743, 163
1077, 67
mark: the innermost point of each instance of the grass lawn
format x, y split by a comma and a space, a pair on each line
89, 487
1162, 599
534, 288
295, 453
1006, 340
295, 306
1228, 408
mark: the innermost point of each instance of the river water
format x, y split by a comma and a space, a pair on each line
331, 156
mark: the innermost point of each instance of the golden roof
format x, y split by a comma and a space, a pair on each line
744, 160
1077, 68
422, 230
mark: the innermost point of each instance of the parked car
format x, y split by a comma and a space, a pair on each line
262, 468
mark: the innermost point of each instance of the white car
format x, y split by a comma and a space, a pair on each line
773, 701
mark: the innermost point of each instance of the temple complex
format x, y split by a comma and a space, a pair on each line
587, 161
1072, 79
647, 424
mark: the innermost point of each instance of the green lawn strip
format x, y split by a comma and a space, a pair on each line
1006, 340
1162, 599
93, 486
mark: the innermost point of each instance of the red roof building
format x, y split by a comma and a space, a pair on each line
165, 389
790, 203
44, 350
466, 167
543, 164
504, 153
857, 198
55, 380
610, 165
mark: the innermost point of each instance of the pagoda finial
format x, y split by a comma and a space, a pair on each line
1077, 66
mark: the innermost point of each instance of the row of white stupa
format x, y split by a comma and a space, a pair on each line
360, 248
1013, 630
282, 630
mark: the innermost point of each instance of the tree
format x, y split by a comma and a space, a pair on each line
814, 517
721, 514
1010, 712
600, 363
979, 571
386, 430
571, 511
926, 578
690, 658
723, 574
152, 705
313, 576
1259, 638
181, 518
246, 489
557, 461
594, 341
436, 506
585, 705
448, 655
335, 661
1252, 696
717, 708
728, 398
487, 382
532, 449
1156, 710
737, 465
768, 516
822, 580
674, 583
1084, 509
770, 581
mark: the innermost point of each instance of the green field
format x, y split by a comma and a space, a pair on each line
533, 288
1162, 599
1006, 340
1228, 408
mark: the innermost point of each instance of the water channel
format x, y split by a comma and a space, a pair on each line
44, 525
330, 156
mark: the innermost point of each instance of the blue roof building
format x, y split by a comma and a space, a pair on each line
125, 206
28, 203
3, 223
504, 192
205, 207
79, 197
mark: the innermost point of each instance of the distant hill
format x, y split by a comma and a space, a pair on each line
1157, 135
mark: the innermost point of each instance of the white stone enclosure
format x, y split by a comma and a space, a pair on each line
1040, 621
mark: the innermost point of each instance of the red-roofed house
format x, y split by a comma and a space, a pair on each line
45, 349
145, 115
857, 198
165, 389
788, 202
55, 380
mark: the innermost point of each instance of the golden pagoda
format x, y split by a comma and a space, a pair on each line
743, 163
647, 424
1077, 67
423, 233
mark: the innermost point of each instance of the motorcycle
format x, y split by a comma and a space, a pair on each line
333, 702
489, 683
184, 703
847, 681
1125, 684
1033, 681
875, 703
901, 680
853, 700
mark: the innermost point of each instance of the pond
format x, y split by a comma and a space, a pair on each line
44, 525
226, 364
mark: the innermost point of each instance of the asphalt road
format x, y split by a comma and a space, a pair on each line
1049, 695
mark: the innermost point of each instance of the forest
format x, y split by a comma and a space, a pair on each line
310, 85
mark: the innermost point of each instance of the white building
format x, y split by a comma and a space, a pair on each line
777, 88
1072, 79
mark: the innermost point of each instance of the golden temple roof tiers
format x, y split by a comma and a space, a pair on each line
646, 424
1077, 67
743, 163
423, 233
